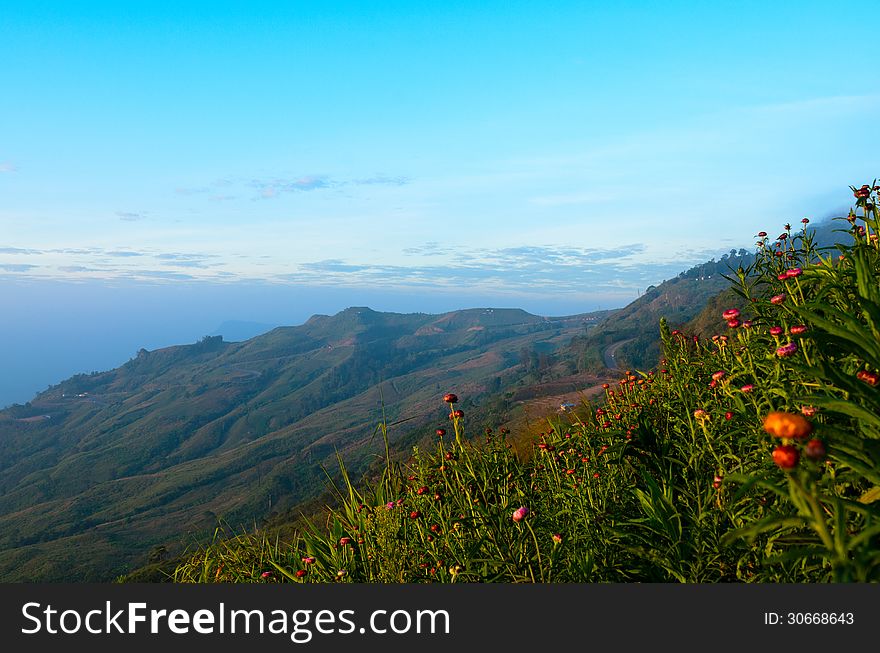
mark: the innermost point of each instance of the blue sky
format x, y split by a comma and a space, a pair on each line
553, 155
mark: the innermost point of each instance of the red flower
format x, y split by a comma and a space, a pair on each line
415, 514
728, 415
520, 513
786, 456
730, 314
777, 299
798, 329
862, 192
344, 540
733, 323
300, 573
456, 414
717, 481
450, 398
441, 432
748, 387
794, 272
787, 350
815, 450
871, 378
776, 331
762, 234
806, 220
422, 490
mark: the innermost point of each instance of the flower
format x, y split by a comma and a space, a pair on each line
809, 411
798, 329
457, 414
730, 314
793, 272
266, 574
863, 192
776, 331
777, 299
520, 513
308, 560
415, 514
786, 350
422, 490
701, 414
389, 505
762, 234
748, 387
441, 433
786, 456
300, 573
806, 221
450, 398
871, 378
733, 323
557, 538
344, 540
787, 425
718, 375
728, 415
815, 450
717, 481
340, 573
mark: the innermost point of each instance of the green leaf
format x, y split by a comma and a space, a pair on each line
871, 495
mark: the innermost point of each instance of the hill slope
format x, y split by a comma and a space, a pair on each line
100, 468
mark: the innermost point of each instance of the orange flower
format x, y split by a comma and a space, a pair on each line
787, 425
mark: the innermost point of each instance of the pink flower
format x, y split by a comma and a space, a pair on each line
730, 314
308, 560
777, 299
266, 574
776, 331
798, 329
520, 513
794, 272
733, 323
718, 376
748, 387
786, 350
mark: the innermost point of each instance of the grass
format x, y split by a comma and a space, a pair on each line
677, 475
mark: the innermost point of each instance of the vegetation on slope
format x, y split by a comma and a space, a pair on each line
752, 455
155, 452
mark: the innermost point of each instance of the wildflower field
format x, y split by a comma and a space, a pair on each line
750, 456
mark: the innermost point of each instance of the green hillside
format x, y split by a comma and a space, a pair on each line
101, 468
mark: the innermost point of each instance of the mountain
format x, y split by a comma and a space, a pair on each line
99, 469
694, 299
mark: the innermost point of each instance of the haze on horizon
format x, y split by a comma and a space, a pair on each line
166, 168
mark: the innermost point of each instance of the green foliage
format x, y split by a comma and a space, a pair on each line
681, 475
